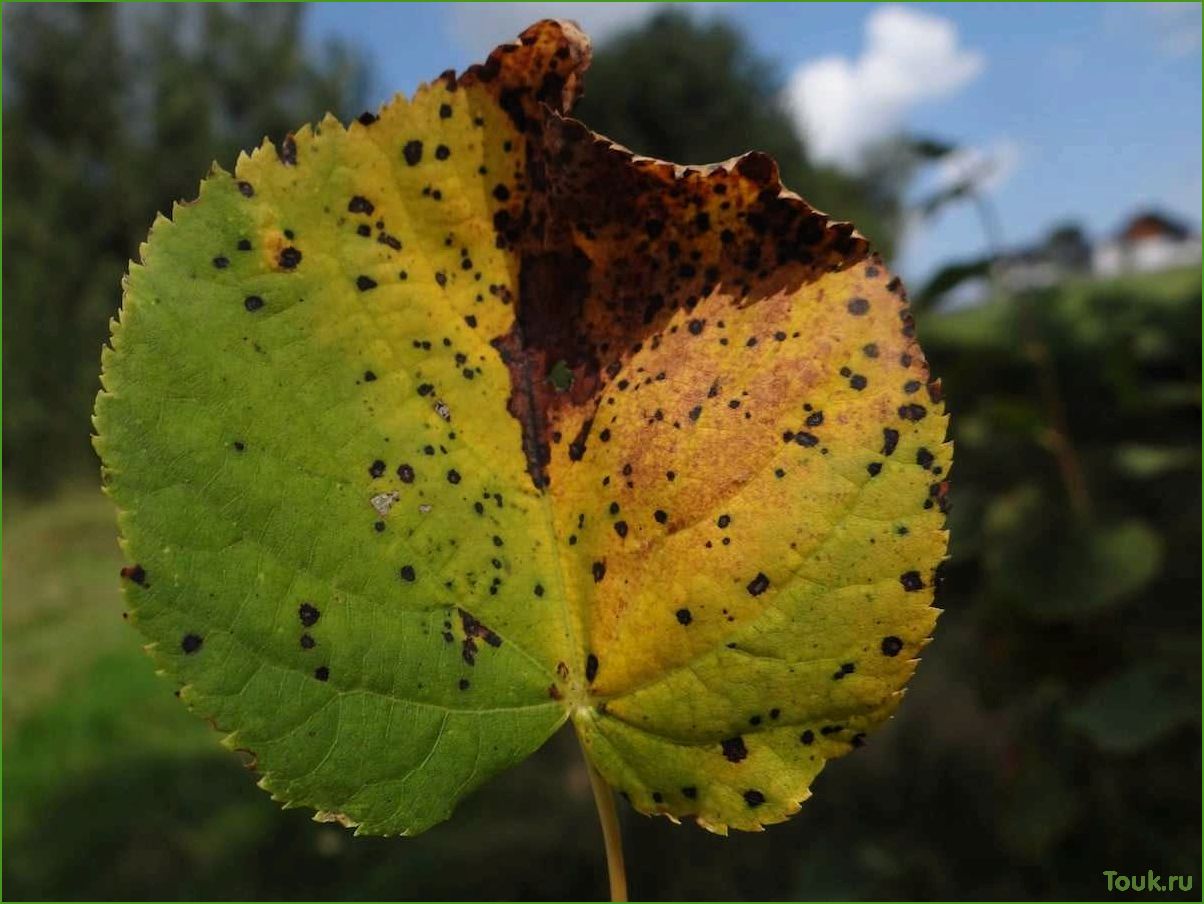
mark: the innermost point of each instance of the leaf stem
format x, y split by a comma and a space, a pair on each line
604, 799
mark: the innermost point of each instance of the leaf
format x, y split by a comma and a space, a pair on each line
1053, 566
1135, 708
1143, 461
380, 537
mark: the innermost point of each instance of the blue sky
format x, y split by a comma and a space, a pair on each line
1085, 111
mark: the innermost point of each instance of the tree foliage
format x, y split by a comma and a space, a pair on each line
695, 91
110, 113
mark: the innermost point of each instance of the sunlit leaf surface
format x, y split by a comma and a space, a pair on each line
435, 431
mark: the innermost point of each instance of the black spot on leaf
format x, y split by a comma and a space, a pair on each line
135, 573
734, 749
287, 151
758, 585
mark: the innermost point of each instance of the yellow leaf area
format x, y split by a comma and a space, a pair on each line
432, 432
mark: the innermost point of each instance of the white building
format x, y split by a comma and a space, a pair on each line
1149, 243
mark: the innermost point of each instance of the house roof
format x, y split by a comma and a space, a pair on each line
1152, 224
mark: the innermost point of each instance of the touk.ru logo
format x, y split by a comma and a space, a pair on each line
1147, 883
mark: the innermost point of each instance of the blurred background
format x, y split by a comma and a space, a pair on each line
1034, 174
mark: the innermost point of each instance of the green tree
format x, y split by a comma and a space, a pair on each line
110, 114
696, 92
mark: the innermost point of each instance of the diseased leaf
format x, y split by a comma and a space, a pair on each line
435, 431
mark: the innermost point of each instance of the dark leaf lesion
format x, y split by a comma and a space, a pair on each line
612, 248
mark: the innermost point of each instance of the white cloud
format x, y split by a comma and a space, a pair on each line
479, 27
988, 168
843, 107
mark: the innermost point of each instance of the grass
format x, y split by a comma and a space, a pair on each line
62, 603
69, 658
80, 696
